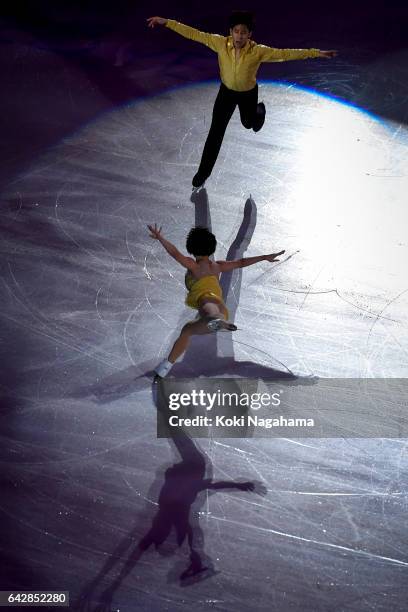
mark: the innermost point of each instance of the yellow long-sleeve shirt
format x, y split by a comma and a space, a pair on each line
240, 75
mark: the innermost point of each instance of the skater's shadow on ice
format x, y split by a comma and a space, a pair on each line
179, 491
119, 384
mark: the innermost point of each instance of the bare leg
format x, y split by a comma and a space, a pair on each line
197, 327
208, 311
216, 316
193, 328
211, 310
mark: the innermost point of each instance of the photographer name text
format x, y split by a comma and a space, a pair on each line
245, 420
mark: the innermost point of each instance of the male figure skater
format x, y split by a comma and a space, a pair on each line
204, 291
239, 58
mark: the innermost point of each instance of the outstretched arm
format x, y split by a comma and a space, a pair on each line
213, 41
229, 484
254, 485
186, 262
226, 266
270, 54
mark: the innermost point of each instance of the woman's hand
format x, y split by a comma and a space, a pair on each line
273, 256
155, 232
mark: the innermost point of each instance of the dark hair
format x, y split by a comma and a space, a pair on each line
200, 241
242, 18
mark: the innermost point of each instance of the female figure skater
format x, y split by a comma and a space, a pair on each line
204, 291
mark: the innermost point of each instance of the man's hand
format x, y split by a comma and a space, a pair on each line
155, 232
328, 54
273, 256
153, 21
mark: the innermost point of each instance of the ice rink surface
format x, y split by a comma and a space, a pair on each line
90, 304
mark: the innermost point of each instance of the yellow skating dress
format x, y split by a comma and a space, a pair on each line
206, 287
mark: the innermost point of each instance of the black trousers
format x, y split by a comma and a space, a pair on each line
224, 106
